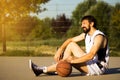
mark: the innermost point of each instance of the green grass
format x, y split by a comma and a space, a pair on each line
39, 48
114, 52
31, 48
23, 53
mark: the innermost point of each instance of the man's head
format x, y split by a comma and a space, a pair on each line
88, 22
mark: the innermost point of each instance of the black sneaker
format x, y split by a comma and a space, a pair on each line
37, 70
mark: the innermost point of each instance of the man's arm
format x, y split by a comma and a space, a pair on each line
74, 39
98, 41
63, 46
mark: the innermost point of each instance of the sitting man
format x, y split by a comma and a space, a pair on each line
93, 61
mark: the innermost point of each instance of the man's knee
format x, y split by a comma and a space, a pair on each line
71, 44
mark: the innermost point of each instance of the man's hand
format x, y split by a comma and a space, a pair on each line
58, 55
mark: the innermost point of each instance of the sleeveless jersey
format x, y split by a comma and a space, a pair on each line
102, 55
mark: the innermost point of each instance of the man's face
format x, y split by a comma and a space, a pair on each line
85, 26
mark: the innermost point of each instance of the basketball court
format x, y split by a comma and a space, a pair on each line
17, 68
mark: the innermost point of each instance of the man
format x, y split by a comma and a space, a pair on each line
93, 61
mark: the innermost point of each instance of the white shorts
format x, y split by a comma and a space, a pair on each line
93, 68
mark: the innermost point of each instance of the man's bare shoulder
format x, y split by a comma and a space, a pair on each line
100, 37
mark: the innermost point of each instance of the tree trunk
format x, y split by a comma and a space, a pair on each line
4, 37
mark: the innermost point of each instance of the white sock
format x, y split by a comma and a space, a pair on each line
45, 69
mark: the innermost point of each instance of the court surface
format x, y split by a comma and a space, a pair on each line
16, 68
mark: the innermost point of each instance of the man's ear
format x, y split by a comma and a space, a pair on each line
92, 24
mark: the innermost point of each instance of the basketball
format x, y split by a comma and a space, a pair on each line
64, 68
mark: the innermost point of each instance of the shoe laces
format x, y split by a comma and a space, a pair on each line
40, 68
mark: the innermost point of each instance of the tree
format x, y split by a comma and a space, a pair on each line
115, 26
81, 9
42, 29
15, 9
102, 12
73, 31
61, 24
25, 25
77, 14
12, 10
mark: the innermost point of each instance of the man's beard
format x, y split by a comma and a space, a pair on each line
86, 30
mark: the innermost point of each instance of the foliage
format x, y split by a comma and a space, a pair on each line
102, 12
25, 25
12, 10
77, 14
18, 12
42, 29
73, 31
32, 48
19, 8
80, 10
39, 48
115, 26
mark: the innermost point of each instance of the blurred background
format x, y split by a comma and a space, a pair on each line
39, 27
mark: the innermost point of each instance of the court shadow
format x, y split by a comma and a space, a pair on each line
113, 71
74, 74
108, 72
48, 74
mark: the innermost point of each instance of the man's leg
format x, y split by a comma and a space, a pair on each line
76, 51
51, 68
71, 49
39, 70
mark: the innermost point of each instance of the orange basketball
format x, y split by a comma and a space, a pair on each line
64, 68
